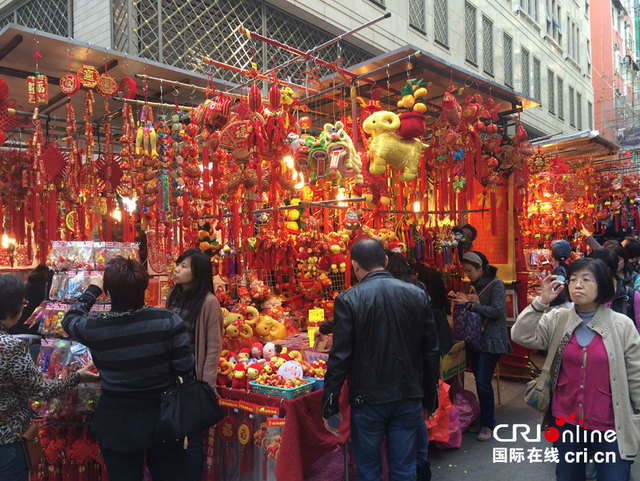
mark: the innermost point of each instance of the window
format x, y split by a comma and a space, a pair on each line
525, 72
553, 20
378, 2
551, 90
588, 57
590, 115
508, 59
530, 7
536, 79
579, 110
586, 7
470, 35
417, 15
577, 44
560, 99
487, 45
441, 23
572, 118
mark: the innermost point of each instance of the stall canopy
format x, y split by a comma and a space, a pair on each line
587, 145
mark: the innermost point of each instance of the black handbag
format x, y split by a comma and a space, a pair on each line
187, 408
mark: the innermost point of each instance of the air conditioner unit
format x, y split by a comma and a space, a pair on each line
616, 46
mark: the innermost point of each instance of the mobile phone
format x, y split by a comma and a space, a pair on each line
561, 279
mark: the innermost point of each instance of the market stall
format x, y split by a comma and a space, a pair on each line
274, 179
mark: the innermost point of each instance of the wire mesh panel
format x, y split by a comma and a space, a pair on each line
572, 119
560, 99
536, 79
179, 33
50, 16
525, 72
470, 35
508, 59
441, 22
417, 15
551, 90
487, 45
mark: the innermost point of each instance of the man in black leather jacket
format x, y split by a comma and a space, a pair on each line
385, 343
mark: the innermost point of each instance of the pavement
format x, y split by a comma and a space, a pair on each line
474, 460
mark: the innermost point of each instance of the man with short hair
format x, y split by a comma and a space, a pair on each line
385, 343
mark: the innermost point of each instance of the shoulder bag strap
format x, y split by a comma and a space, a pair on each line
9, 424
486, 287
551, 354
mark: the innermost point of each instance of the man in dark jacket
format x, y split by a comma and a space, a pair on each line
386, 344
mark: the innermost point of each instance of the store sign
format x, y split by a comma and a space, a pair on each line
290, 370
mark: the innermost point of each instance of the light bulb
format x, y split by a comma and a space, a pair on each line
12, 241
416, 206
129, 204
5, 241
288, 160
300, 184
117, 215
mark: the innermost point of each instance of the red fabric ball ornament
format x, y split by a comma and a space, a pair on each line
4, 89
128, 88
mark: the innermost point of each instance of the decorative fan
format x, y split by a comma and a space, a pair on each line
55, 161
110, 175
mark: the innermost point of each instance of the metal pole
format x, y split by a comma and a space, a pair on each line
153, 104
318, 48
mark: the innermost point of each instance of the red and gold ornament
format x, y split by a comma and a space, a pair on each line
88, 76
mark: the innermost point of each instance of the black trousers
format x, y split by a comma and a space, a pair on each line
165, 462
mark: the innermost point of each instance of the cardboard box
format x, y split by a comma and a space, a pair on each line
453, 362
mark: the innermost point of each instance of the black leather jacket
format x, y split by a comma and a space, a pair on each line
385, 343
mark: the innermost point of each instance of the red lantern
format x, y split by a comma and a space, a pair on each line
107, 85
255, 99
37, 90
127, 88
88, 76
305, 122
69, 84
4, 89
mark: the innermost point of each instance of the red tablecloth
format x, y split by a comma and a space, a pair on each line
304, 438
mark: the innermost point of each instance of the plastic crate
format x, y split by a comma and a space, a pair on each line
282, 392
318, 382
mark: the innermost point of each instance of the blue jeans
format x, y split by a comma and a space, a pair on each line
194, 457
572, 469
484, 363
398, 421
13, 466
422, 443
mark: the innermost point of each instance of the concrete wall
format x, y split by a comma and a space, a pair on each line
92, 22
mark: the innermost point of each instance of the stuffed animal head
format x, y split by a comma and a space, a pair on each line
380, 122
253, 370
269, 350
244, 354
240, 370
256, 350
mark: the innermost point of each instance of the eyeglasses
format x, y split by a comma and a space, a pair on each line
583, 281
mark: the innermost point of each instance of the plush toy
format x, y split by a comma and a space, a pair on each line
244, 354
274, 448
256, 350
239, 376
336, 258
269, 350
253, 371
344, 160
388, 148
224, 369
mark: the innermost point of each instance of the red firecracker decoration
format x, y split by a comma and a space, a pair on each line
37, 89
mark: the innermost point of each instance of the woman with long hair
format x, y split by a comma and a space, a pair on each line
595, 373
487, 297
193, 300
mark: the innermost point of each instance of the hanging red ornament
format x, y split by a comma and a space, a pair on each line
88, 76
127, 88
2, 137
255, 99
69, 83
4, 89
107, 85
37, 89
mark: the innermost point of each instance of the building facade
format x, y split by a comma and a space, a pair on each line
540, 48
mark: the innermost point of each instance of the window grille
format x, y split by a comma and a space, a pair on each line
572, 118
560, 99
441, 22
508, 59
536, 78
52, 16
551, 88
417, 15
525, 72
470, 36
579, 110
487, 45
190, 30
